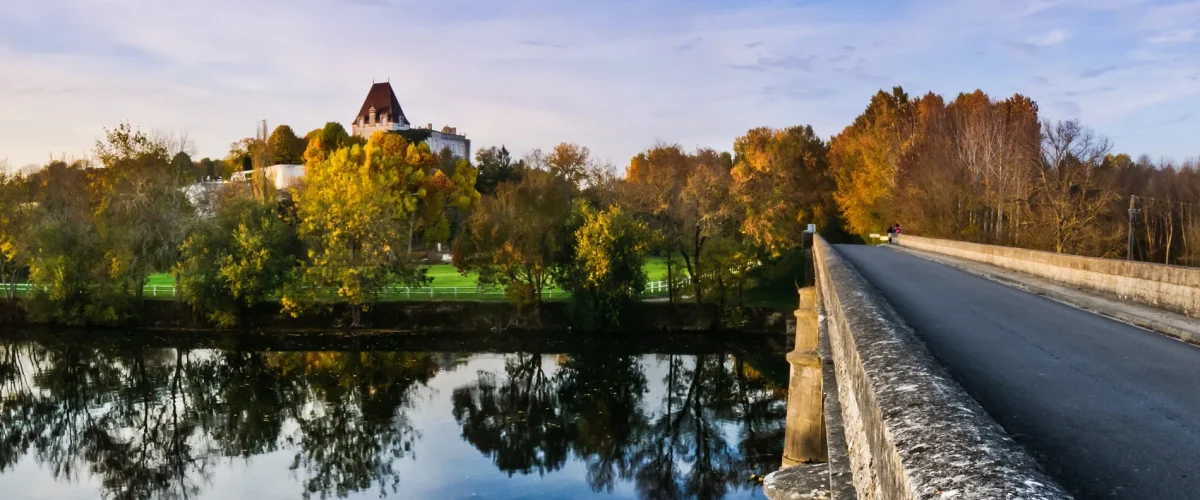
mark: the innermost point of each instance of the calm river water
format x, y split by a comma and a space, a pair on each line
91, 417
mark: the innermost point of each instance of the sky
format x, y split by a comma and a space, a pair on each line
617, 76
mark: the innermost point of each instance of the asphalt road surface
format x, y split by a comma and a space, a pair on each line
1110, 410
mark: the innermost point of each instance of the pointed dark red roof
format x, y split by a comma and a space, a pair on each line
383, 98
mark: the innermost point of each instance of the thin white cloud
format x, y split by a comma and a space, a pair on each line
1176, 36
1049, 39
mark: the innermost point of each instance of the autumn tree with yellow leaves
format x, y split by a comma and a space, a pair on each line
781, 183
866, 157
963, 169
449, 192
607, 271
356, 211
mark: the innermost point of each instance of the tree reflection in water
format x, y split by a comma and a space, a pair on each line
158, 422
593, 407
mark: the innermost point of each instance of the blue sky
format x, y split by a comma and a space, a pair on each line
617, 76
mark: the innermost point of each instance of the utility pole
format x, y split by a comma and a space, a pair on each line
1132, 214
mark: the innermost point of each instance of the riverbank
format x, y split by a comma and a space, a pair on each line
437, 316
625, 342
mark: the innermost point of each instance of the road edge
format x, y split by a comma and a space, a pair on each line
1087, 300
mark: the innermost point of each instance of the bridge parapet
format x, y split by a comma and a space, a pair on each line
1173, 288
911, 431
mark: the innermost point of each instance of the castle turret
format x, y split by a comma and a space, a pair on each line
381, 111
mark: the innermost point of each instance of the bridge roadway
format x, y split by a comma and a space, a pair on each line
1110, 410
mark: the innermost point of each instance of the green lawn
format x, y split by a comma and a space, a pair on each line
161, 279
656, 269
448, 275
445, 277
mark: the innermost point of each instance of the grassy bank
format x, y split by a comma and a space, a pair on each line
447, 283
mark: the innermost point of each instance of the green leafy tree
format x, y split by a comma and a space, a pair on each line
730, 260
243, 255
241, 157
183, 164
213, 169
496, 166
142, 212
285, 146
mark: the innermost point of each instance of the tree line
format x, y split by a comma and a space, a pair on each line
989, 170
370, 212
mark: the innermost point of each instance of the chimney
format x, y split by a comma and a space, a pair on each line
430, 126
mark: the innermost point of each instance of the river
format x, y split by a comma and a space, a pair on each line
136, 416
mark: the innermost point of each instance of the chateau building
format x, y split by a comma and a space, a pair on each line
381, 111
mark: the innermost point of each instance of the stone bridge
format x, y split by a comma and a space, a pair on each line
939, 369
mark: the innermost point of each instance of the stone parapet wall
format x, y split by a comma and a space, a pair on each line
911, 431
1172, 288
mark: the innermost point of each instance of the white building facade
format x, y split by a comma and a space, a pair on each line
282, 176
